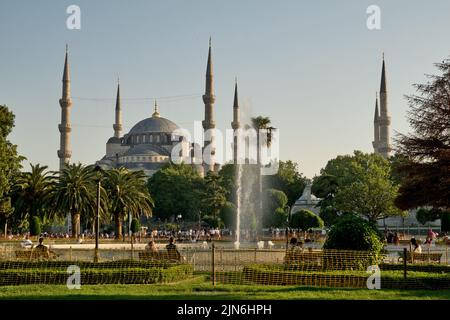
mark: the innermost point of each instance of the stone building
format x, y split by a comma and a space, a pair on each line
149, 144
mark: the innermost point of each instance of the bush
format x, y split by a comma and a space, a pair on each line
274, 202
445, 221
214, 222
135, 225
305, 220
276, 275
105, 273
35, 226
353, 233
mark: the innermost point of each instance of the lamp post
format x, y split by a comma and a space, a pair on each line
98, 169
288, 220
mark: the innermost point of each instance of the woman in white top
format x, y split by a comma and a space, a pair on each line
416, 247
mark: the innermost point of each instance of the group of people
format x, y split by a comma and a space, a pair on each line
171, 248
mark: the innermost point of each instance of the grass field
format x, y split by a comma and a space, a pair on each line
198, 288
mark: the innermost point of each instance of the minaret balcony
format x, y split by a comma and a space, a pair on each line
64, 128
209, 98
64, 153
65, 102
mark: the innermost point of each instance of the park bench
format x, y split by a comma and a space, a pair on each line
34, 255
422, 257
304, 257
160, 255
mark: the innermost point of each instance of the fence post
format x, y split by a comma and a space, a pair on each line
446, 254
404, 263
70, 254
255, 255
213, 258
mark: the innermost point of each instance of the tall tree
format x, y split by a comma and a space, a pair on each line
127, 194
288, 179
214, 198
75, 192
32, 194
426, 170
176, 189
360, 184
10, 163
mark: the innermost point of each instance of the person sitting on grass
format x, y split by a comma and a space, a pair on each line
172, 250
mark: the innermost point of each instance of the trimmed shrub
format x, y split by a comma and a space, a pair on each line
35, 226
306, 220
353, 233
277, 275
135, 225
96, 275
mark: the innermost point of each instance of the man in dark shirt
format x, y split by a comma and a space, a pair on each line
42, 251
172, 250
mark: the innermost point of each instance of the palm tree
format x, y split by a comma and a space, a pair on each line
128, 194
75, 192
260, 123
31, 194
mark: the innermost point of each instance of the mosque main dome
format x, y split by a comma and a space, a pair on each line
155, 124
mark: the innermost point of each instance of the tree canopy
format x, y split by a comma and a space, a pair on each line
176, 189
360, 183
10, 162
305, 220
426, 168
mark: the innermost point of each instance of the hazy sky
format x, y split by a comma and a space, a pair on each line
311, 66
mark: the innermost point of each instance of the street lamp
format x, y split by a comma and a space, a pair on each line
98, 169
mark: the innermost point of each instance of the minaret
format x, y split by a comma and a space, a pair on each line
385, 120
64, 152
209, 123
376, 126
235, 124
118, 121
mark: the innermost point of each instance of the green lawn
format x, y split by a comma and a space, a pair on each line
199, 288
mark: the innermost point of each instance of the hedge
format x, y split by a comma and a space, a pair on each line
277, 275
96, 275
21, 264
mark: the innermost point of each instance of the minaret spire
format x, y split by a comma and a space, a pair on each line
65, 152
383, 78
235, 124
376, 126
209, 122
384, 120
118, 118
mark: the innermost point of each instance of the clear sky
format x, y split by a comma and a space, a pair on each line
313, 67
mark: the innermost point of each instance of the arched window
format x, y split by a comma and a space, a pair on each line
157, 138
151, 138
144, 139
